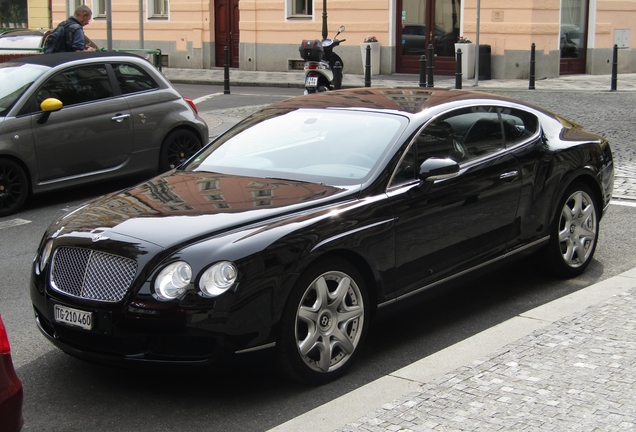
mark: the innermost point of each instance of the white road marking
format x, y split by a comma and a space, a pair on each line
206, 97
623, 203
13, 222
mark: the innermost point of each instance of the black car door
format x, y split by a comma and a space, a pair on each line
452, 224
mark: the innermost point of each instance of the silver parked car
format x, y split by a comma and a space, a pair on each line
72, 118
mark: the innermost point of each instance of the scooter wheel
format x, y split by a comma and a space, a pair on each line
323, 89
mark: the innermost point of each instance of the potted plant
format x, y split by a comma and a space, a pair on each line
371, 41
468, 56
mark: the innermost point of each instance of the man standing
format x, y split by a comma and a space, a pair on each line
73, 32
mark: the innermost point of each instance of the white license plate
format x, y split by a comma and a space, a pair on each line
311, 81
73, 317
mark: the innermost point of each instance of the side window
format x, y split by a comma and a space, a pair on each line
518, 125
462, 135
439, 140
77, 85
133, 79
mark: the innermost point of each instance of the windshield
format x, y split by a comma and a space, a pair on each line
329, 146
15, 78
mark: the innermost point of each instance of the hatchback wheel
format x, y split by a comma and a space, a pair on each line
574, 233
178, 146
324, 323
14, 187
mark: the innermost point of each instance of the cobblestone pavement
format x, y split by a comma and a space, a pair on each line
579, 374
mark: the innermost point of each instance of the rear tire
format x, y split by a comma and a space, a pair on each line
574, 232
178, 147
324, 323
14, 187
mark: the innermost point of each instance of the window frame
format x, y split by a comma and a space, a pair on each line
152, 12
292, 14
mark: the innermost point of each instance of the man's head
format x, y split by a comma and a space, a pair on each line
83, 14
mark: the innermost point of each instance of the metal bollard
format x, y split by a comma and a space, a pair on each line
423, 71
532, 63
337, 76
226, 71
367, 67
458, 69
614, 68
431, 66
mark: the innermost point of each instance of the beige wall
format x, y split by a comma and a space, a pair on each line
39, 16
268, 39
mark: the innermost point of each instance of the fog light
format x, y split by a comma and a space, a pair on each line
218, 279
173, 280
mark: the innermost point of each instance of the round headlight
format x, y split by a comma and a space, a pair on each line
218, 279
173, 280
46, 254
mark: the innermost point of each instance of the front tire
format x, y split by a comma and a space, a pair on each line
574, 232
324, 323
178, 147
14, 187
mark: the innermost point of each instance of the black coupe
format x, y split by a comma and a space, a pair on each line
290, 230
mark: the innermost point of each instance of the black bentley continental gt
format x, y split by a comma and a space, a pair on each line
290, 230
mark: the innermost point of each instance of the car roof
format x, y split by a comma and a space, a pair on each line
56, 59
407, 100
21, 32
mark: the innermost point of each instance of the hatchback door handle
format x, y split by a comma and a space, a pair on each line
510, 175
120, 117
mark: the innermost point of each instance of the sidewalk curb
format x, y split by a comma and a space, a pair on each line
363, 400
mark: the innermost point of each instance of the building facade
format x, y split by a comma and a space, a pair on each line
570, 36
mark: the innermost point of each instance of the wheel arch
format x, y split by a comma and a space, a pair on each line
186, 127
586, 177
360, 264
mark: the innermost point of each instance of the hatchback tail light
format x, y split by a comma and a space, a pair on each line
4, 339
191, 103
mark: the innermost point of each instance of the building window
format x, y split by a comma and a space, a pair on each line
158, 8
74, 4
99, 9
300, 8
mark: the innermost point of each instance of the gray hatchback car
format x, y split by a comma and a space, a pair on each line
72, 118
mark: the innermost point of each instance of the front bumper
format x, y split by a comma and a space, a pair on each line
148, 331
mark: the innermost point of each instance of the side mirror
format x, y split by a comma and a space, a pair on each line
341, 29
48, 106
51, 104
437, 169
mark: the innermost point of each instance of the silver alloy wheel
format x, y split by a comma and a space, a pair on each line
577, 229
329, 321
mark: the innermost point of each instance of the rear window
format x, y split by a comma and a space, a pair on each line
133, 79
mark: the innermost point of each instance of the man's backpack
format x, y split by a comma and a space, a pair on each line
56, 41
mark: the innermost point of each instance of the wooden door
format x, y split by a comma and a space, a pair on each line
573, 43
226, 31
424, 22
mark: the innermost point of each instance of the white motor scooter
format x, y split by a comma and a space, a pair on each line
320, 61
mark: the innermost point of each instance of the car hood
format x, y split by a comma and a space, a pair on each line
179, 207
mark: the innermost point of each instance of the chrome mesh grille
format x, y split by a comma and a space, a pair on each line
92, 275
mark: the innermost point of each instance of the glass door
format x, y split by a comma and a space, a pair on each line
573, 43
424, 22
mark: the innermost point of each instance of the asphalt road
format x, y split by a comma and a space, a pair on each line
63, 393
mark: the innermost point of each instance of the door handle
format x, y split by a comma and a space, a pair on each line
510, 175
120, 117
